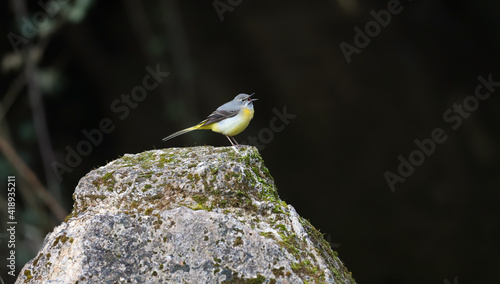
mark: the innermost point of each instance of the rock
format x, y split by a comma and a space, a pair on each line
184, 215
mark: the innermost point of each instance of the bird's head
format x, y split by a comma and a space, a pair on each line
245, 100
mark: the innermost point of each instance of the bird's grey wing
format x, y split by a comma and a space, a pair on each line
229, 107
219, 115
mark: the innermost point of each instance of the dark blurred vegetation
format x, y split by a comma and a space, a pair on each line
353, 120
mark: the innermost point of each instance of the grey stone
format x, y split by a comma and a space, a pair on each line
184, 215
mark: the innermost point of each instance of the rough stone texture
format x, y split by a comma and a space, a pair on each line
184, 215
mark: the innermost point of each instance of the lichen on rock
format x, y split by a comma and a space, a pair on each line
184, 215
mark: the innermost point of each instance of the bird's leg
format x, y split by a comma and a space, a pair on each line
235, 146
228, 138
235, 142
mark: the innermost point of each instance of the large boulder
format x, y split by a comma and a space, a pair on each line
184, 215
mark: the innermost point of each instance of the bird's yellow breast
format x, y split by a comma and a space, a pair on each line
234, 125
248, 114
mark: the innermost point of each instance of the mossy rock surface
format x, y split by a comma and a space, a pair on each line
184, 215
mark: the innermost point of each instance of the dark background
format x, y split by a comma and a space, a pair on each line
352, 120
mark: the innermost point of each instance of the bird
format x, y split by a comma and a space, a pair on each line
229, 119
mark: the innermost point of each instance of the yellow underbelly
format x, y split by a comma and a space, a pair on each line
234, 125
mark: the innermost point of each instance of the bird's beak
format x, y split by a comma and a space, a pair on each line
249, 98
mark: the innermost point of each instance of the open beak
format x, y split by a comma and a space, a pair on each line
249, 98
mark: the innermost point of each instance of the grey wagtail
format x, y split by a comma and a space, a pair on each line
229, 119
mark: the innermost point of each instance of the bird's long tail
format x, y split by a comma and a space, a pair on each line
189, 129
